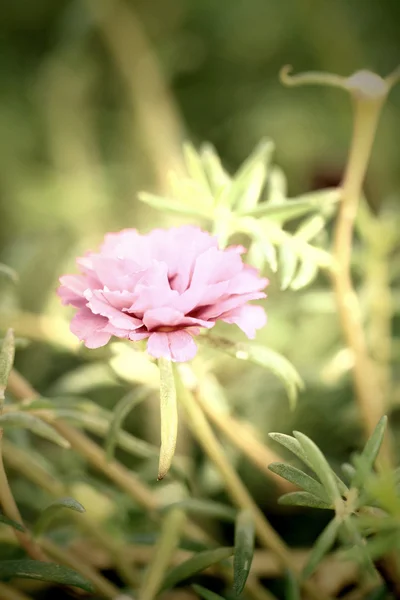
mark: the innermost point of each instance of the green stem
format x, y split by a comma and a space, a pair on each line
169, 417
239, 494
166, 545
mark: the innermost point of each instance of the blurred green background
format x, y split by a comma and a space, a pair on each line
96, 99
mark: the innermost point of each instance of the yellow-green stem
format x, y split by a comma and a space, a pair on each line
163, 552
368, 392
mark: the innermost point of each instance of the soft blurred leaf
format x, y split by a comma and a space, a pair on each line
195, 167
370, 453
121, 410
321, 547
292, 587
244, 549
293, 208
208, 508
206, 594
9, 273
303, 499
217, 176
306, 273
287, 264
43, 571
195, 564
51, 511
6, 521
7, 352
33, 424
265, 357
172, 206
249, 180
304, 481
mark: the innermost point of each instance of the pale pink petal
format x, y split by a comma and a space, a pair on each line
219, 308
99, 305
88, 328
178, 346
169, 317
249, 318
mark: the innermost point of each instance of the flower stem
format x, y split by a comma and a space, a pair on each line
368, 392
201, 429
169, 416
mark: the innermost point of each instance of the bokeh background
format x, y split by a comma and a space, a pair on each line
96, 99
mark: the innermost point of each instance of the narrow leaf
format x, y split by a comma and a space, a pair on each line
304, 481
292, 588
120, 412
294, 208
169, 416
195, 166
370, 453
205, 507
265, 357
306, 273
319, 465
244, 549
173, 206
250, 178
321, 547
51, 511
6, 361
43, 571
197, 563
216, 174
206, 594
8, 272
303, 499
291, 444
6, 521
35, 425
287, 264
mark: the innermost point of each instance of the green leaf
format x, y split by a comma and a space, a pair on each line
169, 416
321, 547
217, 176
244, 549
9, 273
292, 588
249, 180
6, 521
304, 481
120, 412
265, 357
370, 453
206, 594
320, 466
287, 264
348, 470
306, 273
6, 361
51, 511
303, 499
291, 444
294, 208
195, 167
197, 563
173, 206
205, 507
35, 425
253, 228
43, 571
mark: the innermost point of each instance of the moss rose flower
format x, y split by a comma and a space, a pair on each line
164, 286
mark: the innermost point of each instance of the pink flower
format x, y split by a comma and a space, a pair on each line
164, 286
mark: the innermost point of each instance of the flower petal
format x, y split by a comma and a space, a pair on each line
88, 328
248, 317
178, 346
